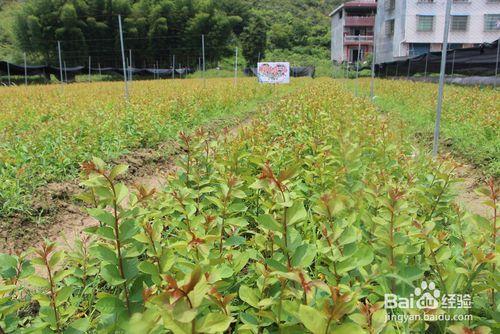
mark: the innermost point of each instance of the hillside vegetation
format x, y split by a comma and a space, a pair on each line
159, 29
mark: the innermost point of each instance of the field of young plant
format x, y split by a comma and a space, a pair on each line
47, 131
300, 223
470, 117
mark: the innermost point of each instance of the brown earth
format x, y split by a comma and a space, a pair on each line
64, 219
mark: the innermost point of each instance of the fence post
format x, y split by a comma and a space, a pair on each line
496, 66
236, 67
453, 64
426, 62
61, 79
25, 71
123, 57
90, 63
203, 55
441, 78
100, 73
173, 66
158, 70
372, 82
409, 68
65, 72
357, 67
8, 73
130, 64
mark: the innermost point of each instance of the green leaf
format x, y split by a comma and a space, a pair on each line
38, 282
235, 240
238, 221
103, 216
79, 326
121, 192
109, 305
149, 268
296, 213
117, 170
269, 223
443, 254
104, 253
63, 294
347, 328
303, 256
56, 258
313, 320
379, 319
249, 296
111, 275
213, 323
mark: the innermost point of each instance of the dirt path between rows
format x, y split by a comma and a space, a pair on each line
467, 197
65, 220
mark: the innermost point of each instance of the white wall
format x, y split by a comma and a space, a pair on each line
405, 30
474, 34
337, 30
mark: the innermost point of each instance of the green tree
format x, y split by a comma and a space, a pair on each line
254, 40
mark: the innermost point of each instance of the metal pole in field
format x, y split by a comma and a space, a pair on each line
372, 82
496, 66
409, 69
426, 62
157, 70
65, 72
100, 73
453, 64
8, 73
236, 67
130, 64
123, 56
90, 63
203, 55
25, 71
173, 66
357, 67
61, 79
441, 77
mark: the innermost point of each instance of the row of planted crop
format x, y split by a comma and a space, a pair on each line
470, 117
46, 131
301, 222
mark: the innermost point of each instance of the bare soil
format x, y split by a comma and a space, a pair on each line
61, 215
63, 219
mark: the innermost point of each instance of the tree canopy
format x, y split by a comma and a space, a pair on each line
155, 30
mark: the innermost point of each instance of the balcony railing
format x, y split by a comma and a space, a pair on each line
360, 21
358, 38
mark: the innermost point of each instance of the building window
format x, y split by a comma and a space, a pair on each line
491, 22
425, 22
390, 4
453, 46
459, 22
416, 49
389, 27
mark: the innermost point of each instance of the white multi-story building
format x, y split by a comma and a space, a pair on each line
405, 28
352, 30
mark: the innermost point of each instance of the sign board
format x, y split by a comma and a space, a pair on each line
276, 73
